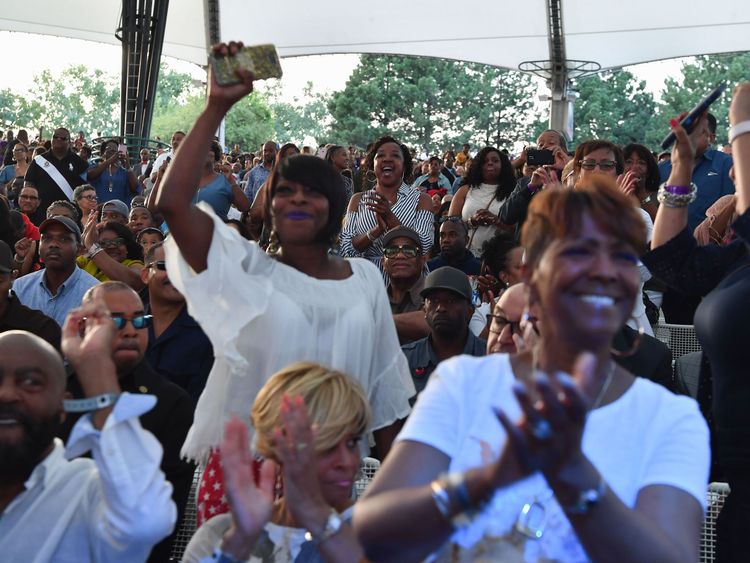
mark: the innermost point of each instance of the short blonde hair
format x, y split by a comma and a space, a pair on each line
336, 404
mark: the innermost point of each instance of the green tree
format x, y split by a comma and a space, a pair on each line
699, 77
302, 117
249, 123
432, 103
177, 117
614, 106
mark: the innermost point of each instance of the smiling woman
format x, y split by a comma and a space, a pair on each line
545, 466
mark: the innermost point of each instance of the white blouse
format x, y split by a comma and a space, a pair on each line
262, 315
480, 197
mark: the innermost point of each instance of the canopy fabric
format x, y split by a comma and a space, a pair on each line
503, 33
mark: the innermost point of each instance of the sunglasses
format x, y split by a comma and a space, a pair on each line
113, 243
602, 164
407, 250
158, 264
138, 321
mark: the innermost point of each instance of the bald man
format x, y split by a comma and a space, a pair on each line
115, 507
506, 321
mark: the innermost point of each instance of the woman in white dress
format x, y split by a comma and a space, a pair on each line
543, 466
483, 189
263, 312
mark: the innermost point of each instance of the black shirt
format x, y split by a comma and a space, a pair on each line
71, 166
19, 317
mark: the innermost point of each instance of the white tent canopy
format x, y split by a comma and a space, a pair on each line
500, 33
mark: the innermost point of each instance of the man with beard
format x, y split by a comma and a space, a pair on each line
57, 172
177, 346
113, 508
172, 416
260, 173
447, 309
454, 238
60, 286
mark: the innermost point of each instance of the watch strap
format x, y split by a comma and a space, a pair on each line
742, 128
91, 403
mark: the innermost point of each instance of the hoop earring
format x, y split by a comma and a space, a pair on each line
636, 344
273, 243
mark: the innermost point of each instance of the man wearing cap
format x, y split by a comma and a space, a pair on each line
14, 315
447, 309
403, 263
115, 210
59, 287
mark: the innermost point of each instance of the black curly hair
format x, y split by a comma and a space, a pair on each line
474, 176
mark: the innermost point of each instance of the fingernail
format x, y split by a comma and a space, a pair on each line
673, 122
565, 379
541, 378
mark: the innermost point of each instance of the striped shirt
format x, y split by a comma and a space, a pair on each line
408, 213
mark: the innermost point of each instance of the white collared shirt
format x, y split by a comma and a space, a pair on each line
113, 508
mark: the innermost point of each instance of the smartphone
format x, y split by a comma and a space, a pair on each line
539, 157
690, 120
261, 60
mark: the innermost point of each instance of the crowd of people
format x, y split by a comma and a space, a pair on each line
480, 323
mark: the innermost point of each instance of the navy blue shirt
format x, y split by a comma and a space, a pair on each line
182, 354
423, 360
470, 265
711, 176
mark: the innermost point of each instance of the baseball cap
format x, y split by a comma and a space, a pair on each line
6, 258
66, 222
397, 232
117, 206
448, 278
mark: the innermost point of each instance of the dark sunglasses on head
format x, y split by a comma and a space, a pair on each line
407, 250
158, 264
451, 218
138, 321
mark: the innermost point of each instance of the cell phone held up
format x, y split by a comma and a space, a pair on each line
540, 157
261, 60
691, 119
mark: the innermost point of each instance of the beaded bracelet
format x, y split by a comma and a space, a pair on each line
676, 196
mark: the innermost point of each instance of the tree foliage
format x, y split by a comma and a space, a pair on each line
302, 118
699, 78
613, 106
431, 103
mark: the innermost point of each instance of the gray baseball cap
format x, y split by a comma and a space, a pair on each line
448, 278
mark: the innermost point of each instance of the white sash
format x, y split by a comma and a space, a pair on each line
55, 175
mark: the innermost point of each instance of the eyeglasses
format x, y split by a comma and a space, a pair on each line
59, 138
112, 243
501, 322
592, 164
158, 264
138, 321
88, 197
407, 250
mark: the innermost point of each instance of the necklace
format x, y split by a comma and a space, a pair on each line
602, 391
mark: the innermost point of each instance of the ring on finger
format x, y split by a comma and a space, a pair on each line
541, 430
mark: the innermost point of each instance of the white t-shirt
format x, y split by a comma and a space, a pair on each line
262, 315
648, 436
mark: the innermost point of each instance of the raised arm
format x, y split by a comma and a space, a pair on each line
739, 112
191, 228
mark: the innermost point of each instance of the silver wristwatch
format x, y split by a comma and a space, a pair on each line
94, 250
91, 404
332, 527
